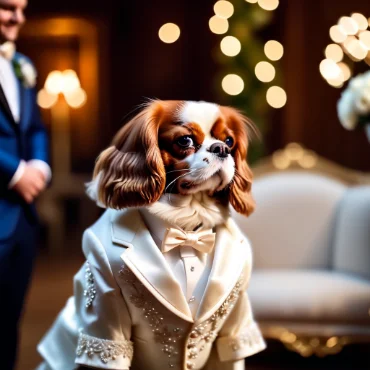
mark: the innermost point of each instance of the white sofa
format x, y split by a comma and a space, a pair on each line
310, 233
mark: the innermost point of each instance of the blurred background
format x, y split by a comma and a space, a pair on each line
98, 61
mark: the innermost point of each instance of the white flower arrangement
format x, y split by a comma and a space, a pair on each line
354, 104
25, 71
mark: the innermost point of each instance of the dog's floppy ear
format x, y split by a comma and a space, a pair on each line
240, 196
131, 173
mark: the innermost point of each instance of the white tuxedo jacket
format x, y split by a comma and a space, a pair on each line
129, 312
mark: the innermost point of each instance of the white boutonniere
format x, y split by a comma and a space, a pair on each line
25, 71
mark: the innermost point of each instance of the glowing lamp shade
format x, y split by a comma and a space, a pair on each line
334, 52
361, 21
169, 33
337, 34
268, 4
232, 84
46, 100
224, 9
54, 83
265, 71
274, 50
76, 98
70, 81
276, 97
218, 25
230, 46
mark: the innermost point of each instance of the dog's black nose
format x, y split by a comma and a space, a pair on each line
221, 149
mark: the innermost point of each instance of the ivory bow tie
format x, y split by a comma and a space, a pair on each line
7, 50
202, 241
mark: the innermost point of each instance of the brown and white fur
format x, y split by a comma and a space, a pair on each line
184, 160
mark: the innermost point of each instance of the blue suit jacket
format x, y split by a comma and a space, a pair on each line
24, 140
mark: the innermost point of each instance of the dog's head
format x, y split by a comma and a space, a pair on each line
181, 147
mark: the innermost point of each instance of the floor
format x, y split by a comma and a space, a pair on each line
52, 285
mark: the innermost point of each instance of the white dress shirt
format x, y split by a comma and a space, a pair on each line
9, 84
190, 267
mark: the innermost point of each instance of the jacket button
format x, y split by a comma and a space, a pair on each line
194, 334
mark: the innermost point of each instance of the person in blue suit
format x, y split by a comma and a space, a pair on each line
24, 173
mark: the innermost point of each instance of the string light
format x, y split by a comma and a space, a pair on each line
265, 71
334, 52
345, 71
329, 69
232, 84
268, 4
230, 46
223, 9
274, 50
349, 26
218, 25
361, 21
365, 39
169, 33
276, 97
337, 34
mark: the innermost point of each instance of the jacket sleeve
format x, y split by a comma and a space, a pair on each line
37, 135
104, 321
8, 166
240, 336
94, 328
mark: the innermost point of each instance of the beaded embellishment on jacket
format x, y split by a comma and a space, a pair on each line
207, 331
143, 300
250, 337
107, 350
90, 290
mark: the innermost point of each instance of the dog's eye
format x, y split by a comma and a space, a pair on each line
185, 141
229, 141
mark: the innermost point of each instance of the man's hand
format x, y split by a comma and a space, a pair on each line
30, 185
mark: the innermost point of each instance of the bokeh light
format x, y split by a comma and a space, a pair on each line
169, 33
334, 52
349, 25
76, 98
337, 34
276, 97
230, 46
268, 4
365, 39
361, 21
54, 82
251, 1
223, 9
356, 49
265, 71
329, 69
218, 25
274, 50
346, 71
46, 100
232, 84
70, 81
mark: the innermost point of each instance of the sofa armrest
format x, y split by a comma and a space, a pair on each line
351, 248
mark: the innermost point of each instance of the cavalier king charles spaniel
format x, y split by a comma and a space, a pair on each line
183, 160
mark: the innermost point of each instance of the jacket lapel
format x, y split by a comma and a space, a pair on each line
145, 260
231, 254
4, 104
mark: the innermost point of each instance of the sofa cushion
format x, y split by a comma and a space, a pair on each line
351, 251
309, 295
292, 226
